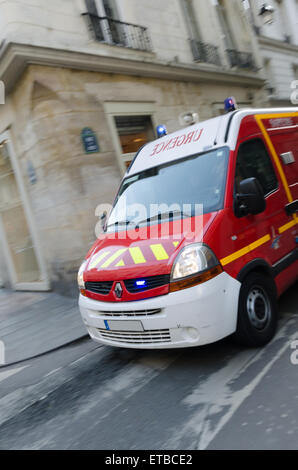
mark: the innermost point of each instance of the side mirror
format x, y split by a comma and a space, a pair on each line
250, 199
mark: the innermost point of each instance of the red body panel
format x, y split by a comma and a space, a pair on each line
286, 278
229, 234
170, 236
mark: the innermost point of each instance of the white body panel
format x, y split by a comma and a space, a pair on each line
198, 138
191, 317
188, 141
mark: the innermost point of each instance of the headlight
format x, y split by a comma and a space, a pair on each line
194, 264
81, 282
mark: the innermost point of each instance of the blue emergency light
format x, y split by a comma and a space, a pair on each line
161, 130
141, 283
230, 104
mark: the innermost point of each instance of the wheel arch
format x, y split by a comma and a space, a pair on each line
257, 265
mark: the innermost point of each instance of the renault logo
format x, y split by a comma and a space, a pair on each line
118, 290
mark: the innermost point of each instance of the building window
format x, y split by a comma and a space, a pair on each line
190, 18
269, 77
103, 21
285, 24
225, 25
103, 8
202, 52
104, 17
132, 125
240, 59
133, 132
253, 161
112, 29
110, 9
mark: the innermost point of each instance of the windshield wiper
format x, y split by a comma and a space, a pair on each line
168, 215
121, 222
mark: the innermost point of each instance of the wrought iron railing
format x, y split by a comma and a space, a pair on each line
243, 60
203, 52
118, 33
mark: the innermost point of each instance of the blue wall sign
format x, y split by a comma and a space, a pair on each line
89, 140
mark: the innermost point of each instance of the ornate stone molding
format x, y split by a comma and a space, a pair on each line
15, 58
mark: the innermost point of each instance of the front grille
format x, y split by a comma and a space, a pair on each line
149, 283
136, 337
133, 313
103, 288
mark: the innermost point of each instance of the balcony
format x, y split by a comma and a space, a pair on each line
243, 60
118, 33
203, 52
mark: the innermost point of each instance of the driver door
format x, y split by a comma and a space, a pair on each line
253, 160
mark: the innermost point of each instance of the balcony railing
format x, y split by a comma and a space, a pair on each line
203, 52
118, 33
243, 60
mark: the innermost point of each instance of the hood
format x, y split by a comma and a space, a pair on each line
148, 252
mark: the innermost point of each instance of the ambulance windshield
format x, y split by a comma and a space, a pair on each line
180, 188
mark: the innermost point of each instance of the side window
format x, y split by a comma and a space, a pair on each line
253, 161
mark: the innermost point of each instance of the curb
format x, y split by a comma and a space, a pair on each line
74, 341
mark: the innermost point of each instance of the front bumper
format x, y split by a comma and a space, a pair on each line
191, 317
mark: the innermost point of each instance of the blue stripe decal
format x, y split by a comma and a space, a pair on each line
107, 325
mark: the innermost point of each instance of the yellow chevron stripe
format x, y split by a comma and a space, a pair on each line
137, 255
285, 227
96, 259
112, 258
120, 264
245, 250
159, 252
176, 244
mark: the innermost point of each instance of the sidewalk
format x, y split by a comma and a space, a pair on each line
33, 323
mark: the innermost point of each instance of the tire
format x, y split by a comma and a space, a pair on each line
257, 311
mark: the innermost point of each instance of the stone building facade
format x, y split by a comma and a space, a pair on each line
114, 70
278, 46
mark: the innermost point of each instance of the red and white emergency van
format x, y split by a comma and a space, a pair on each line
188, 277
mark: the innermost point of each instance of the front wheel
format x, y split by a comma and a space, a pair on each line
257, 311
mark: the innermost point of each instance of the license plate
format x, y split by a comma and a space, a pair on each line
123, 325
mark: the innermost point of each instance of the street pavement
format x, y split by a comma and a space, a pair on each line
32, 323
220, 396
